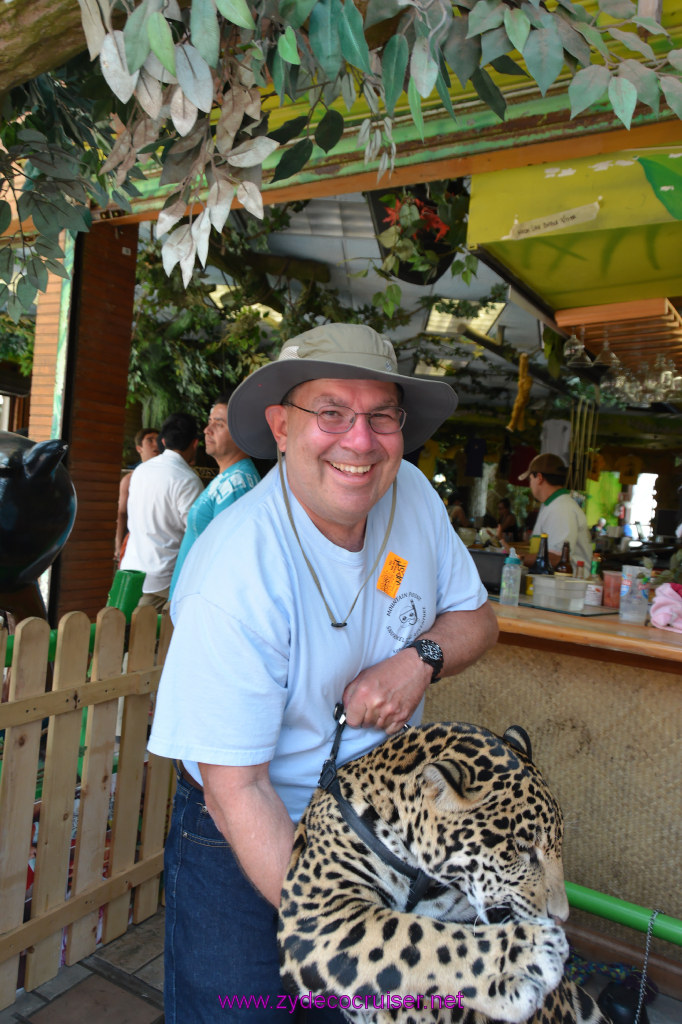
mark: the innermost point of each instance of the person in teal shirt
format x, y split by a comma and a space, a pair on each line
237, 475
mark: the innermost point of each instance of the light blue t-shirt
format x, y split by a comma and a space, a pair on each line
255, 668
222, 491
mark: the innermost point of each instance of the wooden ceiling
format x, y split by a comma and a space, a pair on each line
636, 331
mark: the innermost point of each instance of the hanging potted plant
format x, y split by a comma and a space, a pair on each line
420, 229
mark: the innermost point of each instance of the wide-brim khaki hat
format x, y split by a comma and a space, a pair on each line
336, 352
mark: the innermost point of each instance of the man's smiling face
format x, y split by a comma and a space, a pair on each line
338, 478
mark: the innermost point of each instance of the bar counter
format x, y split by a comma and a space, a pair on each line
602, 703
599, 635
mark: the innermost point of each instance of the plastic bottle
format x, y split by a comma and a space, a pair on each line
511, 579
564, 566
541, 566
594, 594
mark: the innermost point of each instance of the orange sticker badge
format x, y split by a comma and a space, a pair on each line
391, 576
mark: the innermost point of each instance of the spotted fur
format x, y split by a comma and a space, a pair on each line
471, 810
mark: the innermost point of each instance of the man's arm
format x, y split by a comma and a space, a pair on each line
253, 819
122, 513
386, 694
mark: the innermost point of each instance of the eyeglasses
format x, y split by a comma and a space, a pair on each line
338, 419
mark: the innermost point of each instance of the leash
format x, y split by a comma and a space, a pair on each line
420, 882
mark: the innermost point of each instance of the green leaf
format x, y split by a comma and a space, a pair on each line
506, 66
494, 45
461, 53
6, 262
278, 72
674, 57
351, 33
26, 293
489, 93
136, 38
293, 160
517, 26
588, 87
651, 25
485, 15
444, 93
5, 216
623, 98
329, 130
236, 11
393, 67
672, 90
618, 8
289, 130
205, 31
48, 248
287, 47
666, 181
573, 42
295, 12
578, 12
55, 267
633, 42
161, 40
544, 56
415, 102
594, 38
15, 309
36, 272
645, 81
323, 34
194, 76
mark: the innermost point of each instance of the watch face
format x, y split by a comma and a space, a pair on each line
431, 650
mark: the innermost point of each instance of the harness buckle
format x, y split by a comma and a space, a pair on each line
328, 773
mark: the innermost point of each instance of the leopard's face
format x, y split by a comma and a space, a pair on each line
481, 820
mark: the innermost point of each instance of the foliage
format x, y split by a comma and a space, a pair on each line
185, 88
16, 343
193, 81
50, 171
185, 348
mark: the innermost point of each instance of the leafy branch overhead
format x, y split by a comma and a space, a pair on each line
187, 84
198, 76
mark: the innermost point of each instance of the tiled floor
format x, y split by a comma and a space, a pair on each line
123, 984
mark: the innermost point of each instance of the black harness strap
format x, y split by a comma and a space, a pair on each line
420, 882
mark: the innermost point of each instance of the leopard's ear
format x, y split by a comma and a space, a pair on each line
453, 785
519, 739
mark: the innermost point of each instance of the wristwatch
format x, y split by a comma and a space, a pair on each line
430, 652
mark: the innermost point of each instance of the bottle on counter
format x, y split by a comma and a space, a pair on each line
594, 595
564, 566
511, 579
541, 566
580, 573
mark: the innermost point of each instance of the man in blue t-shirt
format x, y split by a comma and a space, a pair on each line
237, 475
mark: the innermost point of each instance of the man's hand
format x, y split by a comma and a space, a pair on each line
386, 694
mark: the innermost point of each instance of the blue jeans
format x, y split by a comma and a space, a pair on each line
220, 933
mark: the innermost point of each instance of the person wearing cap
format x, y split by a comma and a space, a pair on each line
560, 516
337, 578
162, 491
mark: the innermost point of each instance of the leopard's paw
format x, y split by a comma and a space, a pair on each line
529, 963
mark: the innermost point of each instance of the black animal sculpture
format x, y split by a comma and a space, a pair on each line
37, 513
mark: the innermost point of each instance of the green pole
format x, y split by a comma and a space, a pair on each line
629, 914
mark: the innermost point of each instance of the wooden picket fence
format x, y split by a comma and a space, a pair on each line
88, 870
